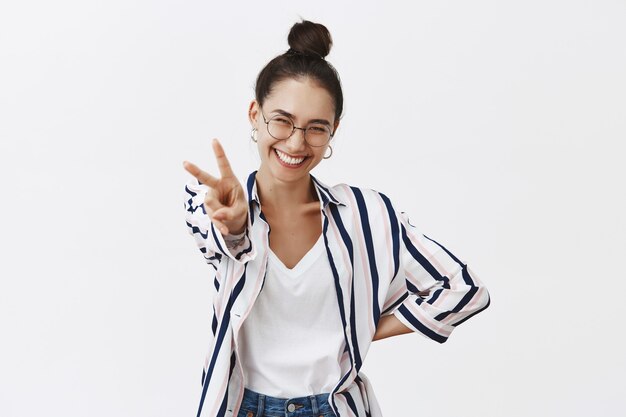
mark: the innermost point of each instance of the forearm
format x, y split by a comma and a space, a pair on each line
390, 326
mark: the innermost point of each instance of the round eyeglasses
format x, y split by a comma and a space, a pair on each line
281, 127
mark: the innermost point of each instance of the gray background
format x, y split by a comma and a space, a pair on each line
498, 126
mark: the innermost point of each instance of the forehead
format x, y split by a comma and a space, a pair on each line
303, 98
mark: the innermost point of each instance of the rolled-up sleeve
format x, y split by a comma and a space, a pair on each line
209, 240
434, 290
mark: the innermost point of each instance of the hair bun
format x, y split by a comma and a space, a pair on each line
309, 38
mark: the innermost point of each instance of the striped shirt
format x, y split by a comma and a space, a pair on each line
381, 265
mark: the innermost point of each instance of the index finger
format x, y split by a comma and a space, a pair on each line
222, 161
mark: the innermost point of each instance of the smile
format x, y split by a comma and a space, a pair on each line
289, 160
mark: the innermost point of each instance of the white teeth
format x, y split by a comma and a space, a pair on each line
287, 159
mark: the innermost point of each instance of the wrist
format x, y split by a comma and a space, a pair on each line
235, 239
237, 233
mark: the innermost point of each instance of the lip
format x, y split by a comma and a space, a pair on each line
293, 156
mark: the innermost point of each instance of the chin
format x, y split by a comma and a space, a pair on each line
281, 174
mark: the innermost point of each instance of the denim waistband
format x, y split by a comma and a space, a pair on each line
262, 405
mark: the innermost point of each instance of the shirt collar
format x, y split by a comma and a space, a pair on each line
324, 192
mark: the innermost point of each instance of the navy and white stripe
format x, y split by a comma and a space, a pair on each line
381, 265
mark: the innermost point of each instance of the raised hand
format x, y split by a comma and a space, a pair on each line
225, 202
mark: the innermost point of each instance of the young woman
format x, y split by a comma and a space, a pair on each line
308, 275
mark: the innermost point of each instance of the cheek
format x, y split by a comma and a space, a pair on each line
264, 146
321, 152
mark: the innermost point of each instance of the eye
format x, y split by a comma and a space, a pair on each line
318, 129
281, 120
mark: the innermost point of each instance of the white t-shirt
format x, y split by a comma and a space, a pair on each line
291, 346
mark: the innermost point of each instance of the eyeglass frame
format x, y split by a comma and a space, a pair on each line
267, 126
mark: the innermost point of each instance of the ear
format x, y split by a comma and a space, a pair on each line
253, 113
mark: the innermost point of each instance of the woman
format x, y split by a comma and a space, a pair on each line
308, 275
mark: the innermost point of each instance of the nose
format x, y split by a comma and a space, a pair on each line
296, 141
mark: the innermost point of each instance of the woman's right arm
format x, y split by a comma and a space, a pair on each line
211, 242
213, 208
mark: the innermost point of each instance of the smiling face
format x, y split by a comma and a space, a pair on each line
303, 101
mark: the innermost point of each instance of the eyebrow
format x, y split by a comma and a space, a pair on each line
285, 113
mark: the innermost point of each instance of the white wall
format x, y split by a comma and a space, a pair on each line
498, 126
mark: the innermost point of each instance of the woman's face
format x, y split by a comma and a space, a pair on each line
303, 101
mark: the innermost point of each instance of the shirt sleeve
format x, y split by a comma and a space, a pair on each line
208, 238
434, 290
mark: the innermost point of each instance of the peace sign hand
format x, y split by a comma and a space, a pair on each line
225, 202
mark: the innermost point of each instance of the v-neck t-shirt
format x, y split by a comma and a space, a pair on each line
292, 340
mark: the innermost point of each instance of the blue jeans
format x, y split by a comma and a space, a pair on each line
255, 404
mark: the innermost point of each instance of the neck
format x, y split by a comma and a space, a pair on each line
274, 193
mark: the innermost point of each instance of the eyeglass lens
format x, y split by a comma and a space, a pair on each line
281, 127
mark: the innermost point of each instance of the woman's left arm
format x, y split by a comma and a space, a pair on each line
433, 291
390, 326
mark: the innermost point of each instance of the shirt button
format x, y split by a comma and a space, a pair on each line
291, 407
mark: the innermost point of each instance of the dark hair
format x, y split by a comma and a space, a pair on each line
309, 43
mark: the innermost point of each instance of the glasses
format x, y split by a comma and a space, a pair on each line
281, 127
